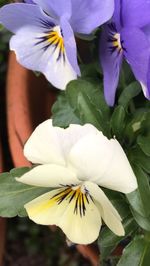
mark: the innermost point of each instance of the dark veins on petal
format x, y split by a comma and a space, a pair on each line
52, 38
81, 200
115, 44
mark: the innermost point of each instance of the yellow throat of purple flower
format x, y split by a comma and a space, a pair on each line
117, 42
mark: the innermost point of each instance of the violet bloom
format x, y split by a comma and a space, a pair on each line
44, 33
28, 1
122, 38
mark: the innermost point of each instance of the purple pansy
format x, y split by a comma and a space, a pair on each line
44, 33
122, 38
28, 1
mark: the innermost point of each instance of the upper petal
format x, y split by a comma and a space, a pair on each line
110, 59
136, 13
109, 214
117, 16
49, 144
61, 208
137, 55
43, 145
102, 161
56, 8
29, 17
87, 14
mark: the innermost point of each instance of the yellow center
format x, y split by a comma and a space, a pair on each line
117, 42
55, 38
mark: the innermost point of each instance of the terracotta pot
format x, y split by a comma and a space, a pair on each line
2, 220
29, 102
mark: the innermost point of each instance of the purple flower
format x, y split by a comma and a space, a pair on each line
28, 1
124, 38
44, 33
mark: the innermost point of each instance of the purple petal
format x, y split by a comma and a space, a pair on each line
111, 60
146, 30
117, 16
35, 52
28, 1
87, 14
136, 12
30, 17
148, 81
70, 44
56, 8
137, 54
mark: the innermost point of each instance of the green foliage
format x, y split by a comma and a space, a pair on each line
85, 99
132, 90
64, 116
137, 253
14, 195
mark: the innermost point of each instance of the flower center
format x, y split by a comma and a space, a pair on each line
77, 195
117, 42
54, 37
53, 41
114, 40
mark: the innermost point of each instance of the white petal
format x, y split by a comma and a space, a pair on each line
109, 214
43, 146
49, 175
90, 156
70, 136
58, 72
119, 175
81, 230
49, 144
102, 161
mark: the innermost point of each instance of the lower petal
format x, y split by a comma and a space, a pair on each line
81, 225
34, 51
137, 54
109, 214
110, 59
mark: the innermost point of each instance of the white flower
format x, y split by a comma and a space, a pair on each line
75, 162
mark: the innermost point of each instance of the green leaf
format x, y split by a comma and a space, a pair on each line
14, 195
132, 90
86, 99
143, 222
90, 70
108, 241
140, 198
137, 253
137, 156
144, 143
135, 124
118, 121
62, 113
126, 76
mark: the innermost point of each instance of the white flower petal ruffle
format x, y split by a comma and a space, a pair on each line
49, 144
102, 161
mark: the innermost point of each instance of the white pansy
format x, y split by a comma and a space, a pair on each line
75, 162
